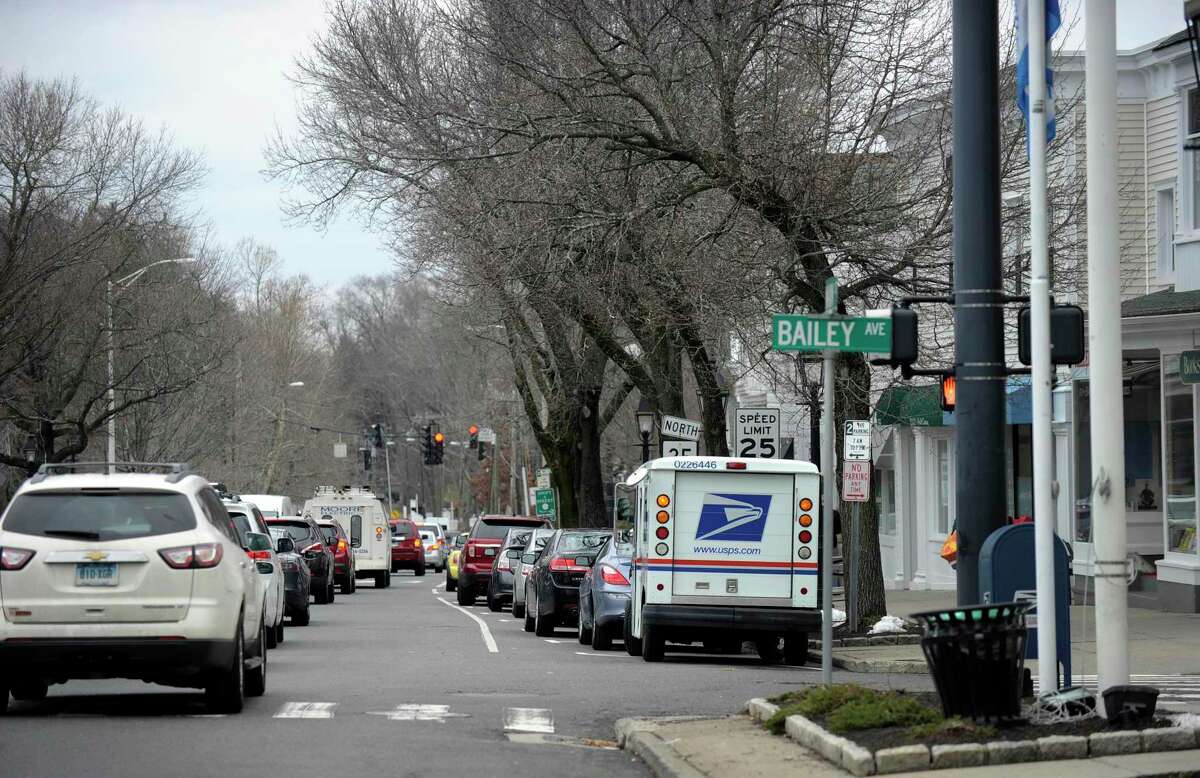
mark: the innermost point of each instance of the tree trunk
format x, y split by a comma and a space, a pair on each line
591, 482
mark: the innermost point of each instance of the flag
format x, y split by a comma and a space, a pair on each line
1053, 22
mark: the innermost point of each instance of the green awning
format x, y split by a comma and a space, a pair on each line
910, 406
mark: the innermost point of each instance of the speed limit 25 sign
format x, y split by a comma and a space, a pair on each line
757, 433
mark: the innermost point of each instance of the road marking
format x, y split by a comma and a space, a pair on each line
439, 586
411, 712
506, 621
529, 720
607, 654
488, 640
306, 710
552, 640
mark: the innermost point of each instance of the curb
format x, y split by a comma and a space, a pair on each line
905, 667
638, 736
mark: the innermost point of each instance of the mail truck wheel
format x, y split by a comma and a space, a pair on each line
633, 646
31, 690
795, 648
768, 650
653, 644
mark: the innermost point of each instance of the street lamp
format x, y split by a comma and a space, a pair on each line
645, 422
30, 449
122, 283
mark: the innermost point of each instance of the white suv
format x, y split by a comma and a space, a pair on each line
135, 574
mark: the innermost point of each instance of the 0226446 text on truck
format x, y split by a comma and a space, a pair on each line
725, 550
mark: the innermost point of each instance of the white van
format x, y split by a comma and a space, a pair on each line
272, 505
362, 516
726, 550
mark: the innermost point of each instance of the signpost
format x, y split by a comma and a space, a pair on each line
680, 448
543, 478
856, 483
1189, 367
863, 334
757, 433
684, 429
857, 441
545, 503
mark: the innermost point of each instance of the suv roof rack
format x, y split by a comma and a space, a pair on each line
175, 471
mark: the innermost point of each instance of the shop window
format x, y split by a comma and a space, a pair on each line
1181, 460
885, 499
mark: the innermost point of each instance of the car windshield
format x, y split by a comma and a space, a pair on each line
582, 541
431, 529
92, 516
492, 531
427, 535
330, 533
296, 530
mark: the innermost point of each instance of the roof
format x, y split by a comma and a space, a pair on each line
1163, 303
150, 481
703, 464
1171, 40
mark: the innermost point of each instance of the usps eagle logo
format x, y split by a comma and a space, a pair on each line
733, 517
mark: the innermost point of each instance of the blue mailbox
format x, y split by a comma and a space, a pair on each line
1007, 573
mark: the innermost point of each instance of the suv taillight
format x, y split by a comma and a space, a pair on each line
14, 558
199, 556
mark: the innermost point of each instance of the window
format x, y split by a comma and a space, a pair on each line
1181, 460
102, 517
355, 531
1164, 230
885, 499
214, 509
1193, 136
945, 484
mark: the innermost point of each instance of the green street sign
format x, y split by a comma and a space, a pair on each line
864, 334
1189, 367
544, 499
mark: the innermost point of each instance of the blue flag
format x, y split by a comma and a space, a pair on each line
1053, 22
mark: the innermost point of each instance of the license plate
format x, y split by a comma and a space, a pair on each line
96, 574
361, 550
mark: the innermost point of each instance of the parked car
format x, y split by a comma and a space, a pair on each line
537, 541
407, 547
433, 538
128, 574
500, 585
310, 544
479, 553
343, 560
456, 547
297, 580
552, 587
603, 594
256, 537
273, 506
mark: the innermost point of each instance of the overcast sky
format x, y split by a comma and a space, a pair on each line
213, 72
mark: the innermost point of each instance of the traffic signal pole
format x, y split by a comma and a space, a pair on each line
979, 361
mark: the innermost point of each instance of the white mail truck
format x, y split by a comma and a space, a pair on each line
362, 516
726, 550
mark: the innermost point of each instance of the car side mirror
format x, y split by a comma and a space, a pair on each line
285, 546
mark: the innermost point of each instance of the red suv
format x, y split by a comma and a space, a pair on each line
406, 547
475, 563
343, 560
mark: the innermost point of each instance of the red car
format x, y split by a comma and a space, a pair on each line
343, 559
475, 563
407, 552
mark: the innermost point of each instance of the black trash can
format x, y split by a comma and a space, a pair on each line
977, 657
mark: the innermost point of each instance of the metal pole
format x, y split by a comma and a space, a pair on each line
387, 465
1104, 341
852, 579
513, 498
112, 393
980, 503
829, 472
1039, 340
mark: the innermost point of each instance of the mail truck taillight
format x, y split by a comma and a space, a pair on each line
613, 576
806, 504
14, 558
201, 555
661, 533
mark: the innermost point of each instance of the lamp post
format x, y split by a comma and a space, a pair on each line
110, 286
725, 387
30, 449
645, 422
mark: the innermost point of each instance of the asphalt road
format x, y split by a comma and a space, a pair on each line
390, 682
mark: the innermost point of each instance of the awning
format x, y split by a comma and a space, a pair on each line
921, 406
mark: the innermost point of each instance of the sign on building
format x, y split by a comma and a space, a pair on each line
683, 429
856, 481
757, 433
1189, 367
680, 448
856, 443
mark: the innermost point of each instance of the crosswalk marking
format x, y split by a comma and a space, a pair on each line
529, 720
411, 712
306, 710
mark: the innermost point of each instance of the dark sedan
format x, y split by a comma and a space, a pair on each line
603, 594
500, 585
297, 580
310, 544
552, 588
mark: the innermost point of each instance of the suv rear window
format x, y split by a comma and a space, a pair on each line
99, 516
296, 530
330, 533
495, 531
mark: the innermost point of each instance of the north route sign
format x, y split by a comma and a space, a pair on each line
680, 429
863, 334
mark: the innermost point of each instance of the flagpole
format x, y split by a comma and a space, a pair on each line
1039, 341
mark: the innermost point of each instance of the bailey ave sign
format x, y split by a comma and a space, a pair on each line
865, 334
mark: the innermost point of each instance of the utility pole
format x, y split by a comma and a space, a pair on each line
828, 496
513, 498
979, 361
1104, 341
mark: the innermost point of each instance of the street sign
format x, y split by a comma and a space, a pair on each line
487, 435
544, 501
684, 429
856, 481
680, 448
864, 334
757, 433
856, 443
1189, 367
543, 478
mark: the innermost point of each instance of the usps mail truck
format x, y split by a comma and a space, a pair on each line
362, 516
726, 550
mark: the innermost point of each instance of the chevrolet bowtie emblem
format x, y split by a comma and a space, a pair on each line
97, 556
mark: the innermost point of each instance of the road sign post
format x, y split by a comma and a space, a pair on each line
757, 433
856, 489
830, 495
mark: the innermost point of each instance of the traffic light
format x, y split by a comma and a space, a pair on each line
427, 444
366, 452
473, 436
377, 435
948, 392
482, 450
439, 448
1066, 335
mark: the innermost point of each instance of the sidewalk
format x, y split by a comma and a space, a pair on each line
1159, 643
736, 745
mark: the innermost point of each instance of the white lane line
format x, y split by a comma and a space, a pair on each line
506, 621
529, 720
608, 654
306, 710
435, 589
488, 640
412, 712
552, 640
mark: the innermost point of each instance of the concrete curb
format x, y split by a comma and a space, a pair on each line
904, 666
639, 737
760, 710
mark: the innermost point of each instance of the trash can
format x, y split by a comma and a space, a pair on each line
976, 655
